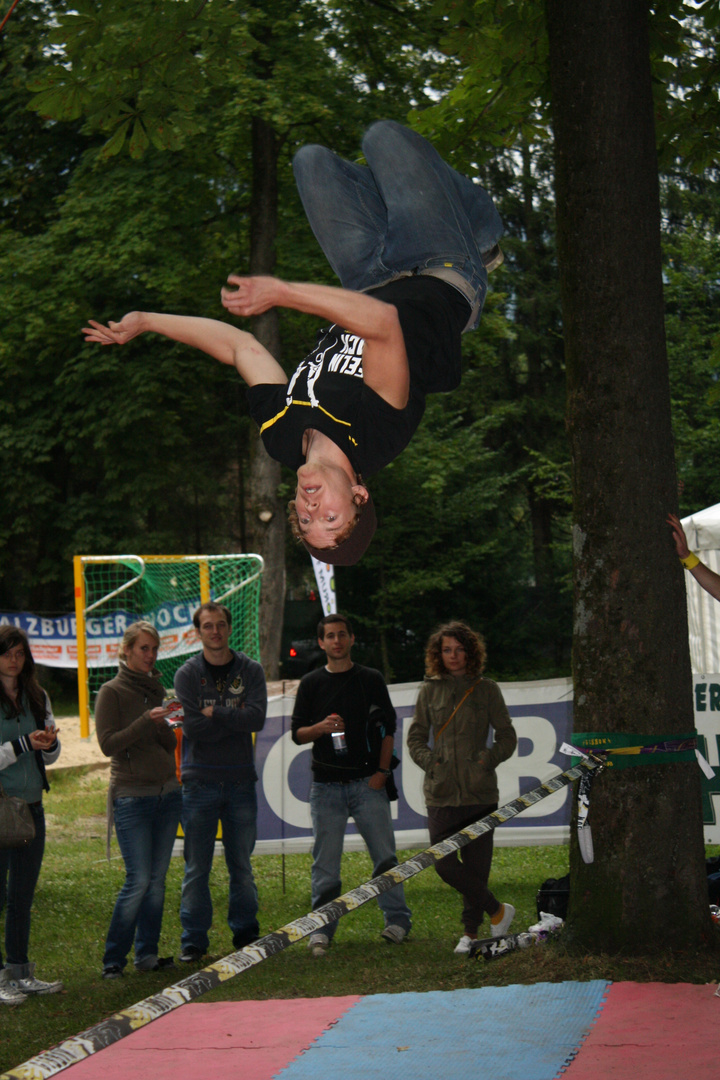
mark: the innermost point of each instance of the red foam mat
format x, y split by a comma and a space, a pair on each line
252, 1040
652, 1031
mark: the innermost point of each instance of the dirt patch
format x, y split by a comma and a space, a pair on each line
76, 750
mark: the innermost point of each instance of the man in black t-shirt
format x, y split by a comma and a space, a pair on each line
345, 711
412, 242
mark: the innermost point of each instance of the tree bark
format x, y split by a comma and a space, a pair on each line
646, 889
264, 512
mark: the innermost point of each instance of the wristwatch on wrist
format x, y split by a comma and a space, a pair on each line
385, 772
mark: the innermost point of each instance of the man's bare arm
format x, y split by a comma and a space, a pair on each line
226, 343
385, 365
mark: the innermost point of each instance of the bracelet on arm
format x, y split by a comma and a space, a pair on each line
690, 561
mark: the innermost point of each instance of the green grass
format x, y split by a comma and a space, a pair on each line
78, 886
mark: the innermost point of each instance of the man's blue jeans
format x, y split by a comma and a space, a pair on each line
408, 210
331, 805
146, 827
19, 872
234, 805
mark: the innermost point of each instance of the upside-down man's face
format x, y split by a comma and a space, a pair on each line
324, 502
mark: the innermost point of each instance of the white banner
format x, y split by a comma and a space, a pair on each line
325, 577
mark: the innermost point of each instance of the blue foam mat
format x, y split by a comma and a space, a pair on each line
496, 1032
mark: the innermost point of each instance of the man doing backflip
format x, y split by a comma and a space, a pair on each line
412, 242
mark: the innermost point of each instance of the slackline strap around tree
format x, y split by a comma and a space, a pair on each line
625, 750
116, 1027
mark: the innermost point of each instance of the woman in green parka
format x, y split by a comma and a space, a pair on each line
457, 707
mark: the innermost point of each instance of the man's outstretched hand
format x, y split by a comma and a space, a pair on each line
251, 295
115, 333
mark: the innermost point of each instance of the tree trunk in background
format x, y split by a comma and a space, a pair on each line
267, 537
646, 890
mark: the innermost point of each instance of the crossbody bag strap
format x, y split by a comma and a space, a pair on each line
464, 698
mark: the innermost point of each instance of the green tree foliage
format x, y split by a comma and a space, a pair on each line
692, 293
504, 89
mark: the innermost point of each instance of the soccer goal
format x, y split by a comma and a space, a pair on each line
113, 591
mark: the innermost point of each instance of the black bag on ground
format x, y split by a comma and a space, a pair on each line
712, 867
553, 896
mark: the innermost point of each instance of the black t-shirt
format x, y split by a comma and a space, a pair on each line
219, 673
327, 391
361, 698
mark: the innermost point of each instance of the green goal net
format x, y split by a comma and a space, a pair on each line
113, 591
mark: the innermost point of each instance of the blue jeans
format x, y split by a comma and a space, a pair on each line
408, 210
146, 828
331, 805
19, 872
234, 805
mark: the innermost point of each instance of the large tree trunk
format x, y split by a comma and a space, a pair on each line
646, 889
264, 513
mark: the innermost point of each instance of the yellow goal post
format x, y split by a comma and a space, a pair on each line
113, 591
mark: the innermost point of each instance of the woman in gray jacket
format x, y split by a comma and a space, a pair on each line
28, 742
457, 706
144, 799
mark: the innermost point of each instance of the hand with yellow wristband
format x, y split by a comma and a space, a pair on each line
681, 544
705, 577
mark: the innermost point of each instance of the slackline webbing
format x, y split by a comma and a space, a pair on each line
626, 750
116, 1027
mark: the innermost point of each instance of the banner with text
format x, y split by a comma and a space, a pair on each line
53, 640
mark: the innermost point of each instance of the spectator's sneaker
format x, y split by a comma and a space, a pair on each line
318, 944
113, 971
546, 924
241, 941
30, 985
501, 927
464, 945
190, 954
9, 993
394, 934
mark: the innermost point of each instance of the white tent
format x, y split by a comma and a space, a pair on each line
703, 536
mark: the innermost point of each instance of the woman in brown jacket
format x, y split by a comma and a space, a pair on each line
460, 783
145, 798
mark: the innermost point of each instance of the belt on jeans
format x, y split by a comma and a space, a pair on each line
353, 781
451, 276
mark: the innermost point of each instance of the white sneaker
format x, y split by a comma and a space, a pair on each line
463, 945
394, 934
501, 928
9, 993
318, 944
546, 924
30, 985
